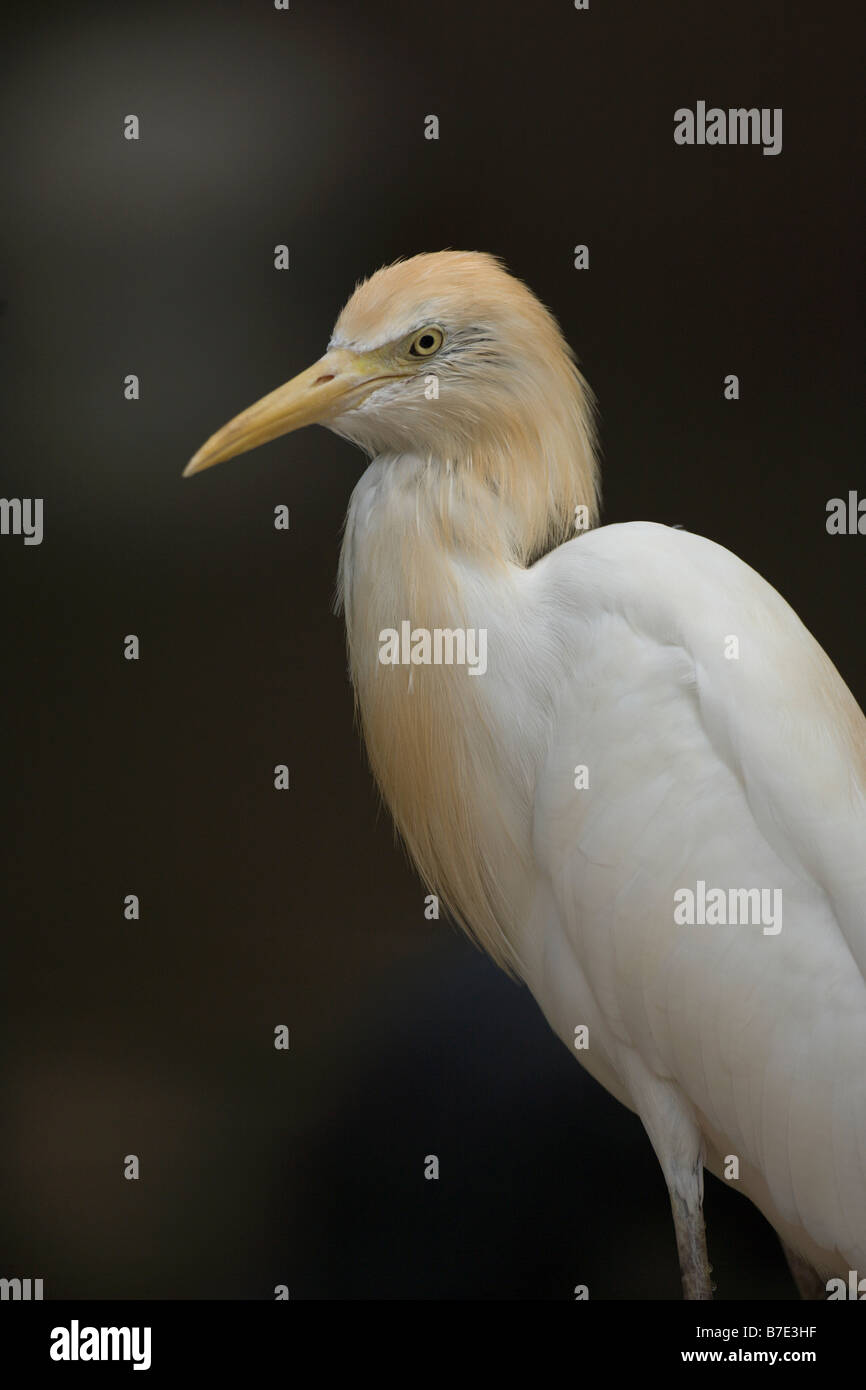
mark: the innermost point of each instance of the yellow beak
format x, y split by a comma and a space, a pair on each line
339, 380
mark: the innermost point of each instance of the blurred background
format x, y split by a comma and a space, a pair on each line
155, 777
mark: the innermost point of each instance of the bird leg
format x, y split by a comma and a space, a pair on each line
809, 1284
687, 1208
674, 1133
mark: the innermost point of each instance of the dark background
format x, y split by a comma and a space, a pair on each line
156, 1038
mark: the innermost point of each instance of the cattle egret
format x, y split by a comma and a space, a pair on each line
648, 799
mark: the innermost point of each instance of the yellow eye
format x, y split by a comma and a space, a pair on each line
425, 343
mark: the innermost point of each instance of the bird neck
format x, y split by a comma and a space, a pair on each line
427, 551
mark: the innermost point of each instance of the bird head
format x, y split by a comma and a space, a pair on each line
448, 358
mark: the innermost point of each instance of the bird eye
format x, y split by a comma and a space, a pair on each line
424, 344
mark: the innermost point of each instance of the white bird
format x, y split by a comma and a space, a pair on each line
615, 757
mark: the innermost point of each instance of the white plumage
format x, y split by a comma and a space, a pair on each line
611, 652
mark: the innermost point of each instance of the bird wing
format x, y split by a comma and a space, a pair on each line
720, 745
772, 705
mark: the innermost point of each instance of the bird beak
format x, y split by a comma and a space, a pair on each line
337, 382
